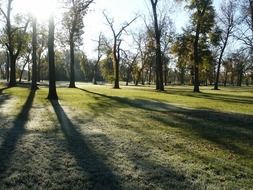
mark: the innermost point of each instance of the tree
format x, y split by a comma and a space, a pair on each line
203, 22
100, 49
73, 22
182, 48
34, 55
116, 46
52, 94
141, 41
42, 45
26, 61
129, 60
159, 65
227, 23
14, 40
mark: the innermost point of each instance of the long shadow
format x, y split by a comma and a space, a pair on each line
224, 129
3, 89
100, 175
12, 136
3, 98
220, 97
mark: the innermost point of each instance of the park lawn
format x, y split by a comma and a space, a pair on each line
96, 137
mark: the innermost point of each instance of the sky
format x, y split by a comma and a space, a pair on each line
120, 10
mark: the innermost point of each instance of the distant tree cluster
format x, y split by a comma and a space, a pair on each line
214, 48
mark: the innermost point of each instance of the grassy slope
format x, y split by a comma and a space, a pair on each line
133, 138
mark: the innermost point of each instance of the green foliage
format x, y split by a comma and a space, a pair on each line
107, 71
215, 36
203, 14
73, 19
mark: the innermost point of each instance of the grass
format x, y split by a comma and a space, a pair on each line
96, 137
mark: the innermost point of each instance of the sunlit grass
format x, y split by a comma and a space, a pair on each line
132, 138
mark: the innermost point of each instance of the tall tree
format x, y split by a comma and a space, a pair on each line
52, 94
34, 55
14, 40
227, 23
42, 45
159, 64
116, 46
203, 22
73, 22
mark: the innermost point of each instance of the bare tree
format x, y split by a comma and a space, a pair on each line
116, 46
227, 23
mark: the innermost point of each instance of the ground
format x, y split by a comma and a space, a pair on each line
96, 137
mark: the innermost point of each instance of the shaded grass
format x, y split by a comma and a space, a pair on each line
14, 133
98, 174
134, 138
224, 100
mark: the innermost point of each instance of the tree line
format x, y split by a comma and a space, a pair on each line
214, 48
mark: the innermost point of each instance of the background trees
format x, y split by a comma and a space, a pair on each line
14, 37
151, 52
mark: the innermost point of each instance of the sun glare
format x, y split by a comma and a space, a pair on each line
39, 8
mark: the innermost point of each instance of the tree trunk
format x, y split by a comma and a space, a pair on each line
29, 73
128, 76
52, 94
216, 86
116, 65
12, 82
7, 67
39, 67
95, 73
72, 63
138, 78
251, 77
22, 71
150, 75
34, 56
226, 78
182, 76
142, 77
196, 59
159, 64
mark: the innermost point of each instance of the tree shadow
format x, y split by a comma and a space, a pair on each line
13, 135
3, 98
220, 97
99, 174
3, 89
225, 129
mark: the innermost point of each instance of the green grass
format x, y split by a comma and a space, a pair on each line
96, 137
